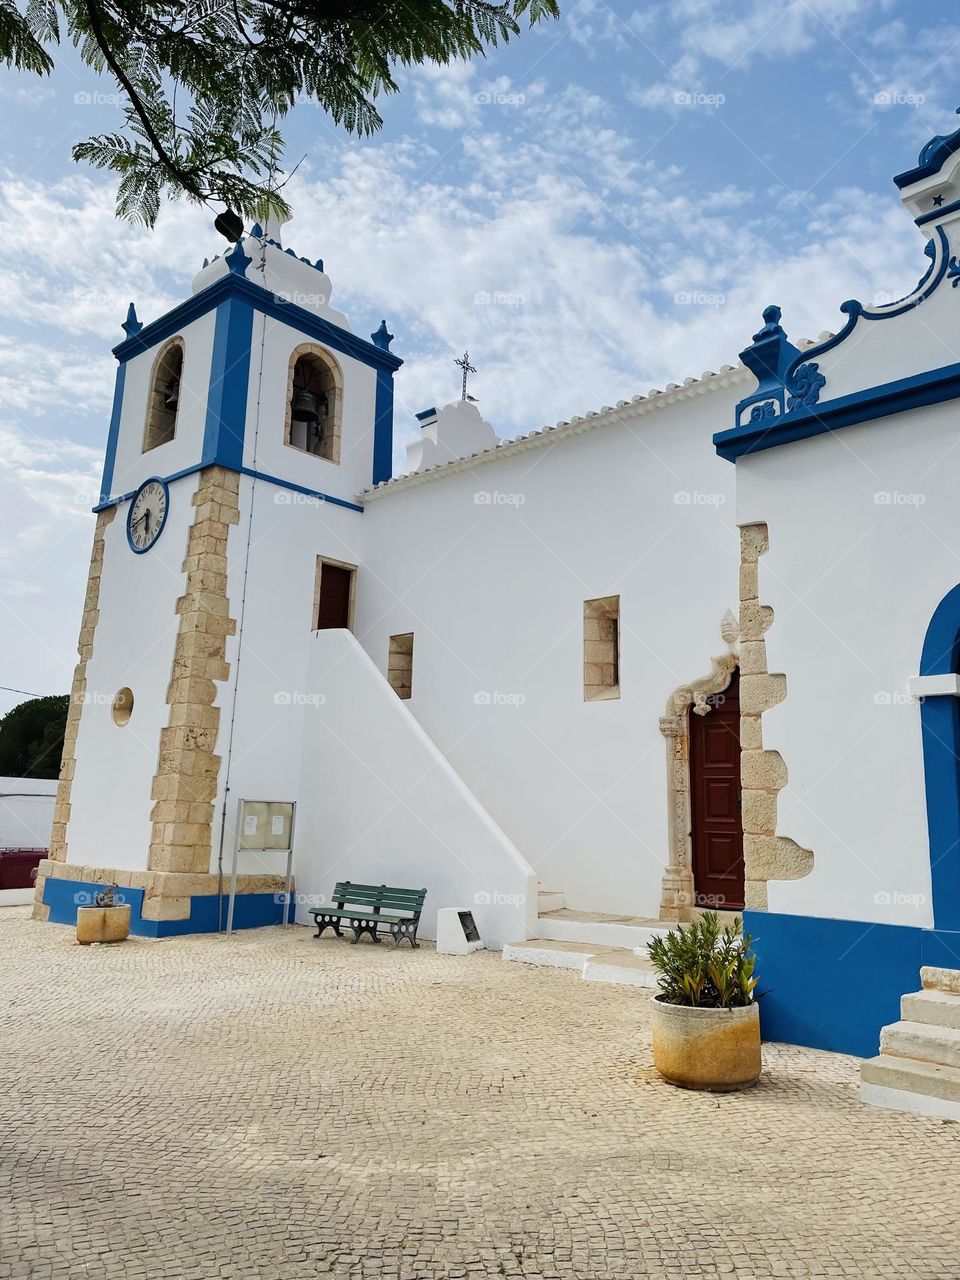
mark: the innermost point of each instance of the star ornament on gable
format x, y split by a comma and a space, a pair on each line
937, 201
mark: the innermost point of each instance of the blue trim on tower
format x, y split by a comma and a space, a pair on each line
251, 910
113, 436
115, 500
383, 427
235, 300
232, 285
229, 383
300, 488
940, 732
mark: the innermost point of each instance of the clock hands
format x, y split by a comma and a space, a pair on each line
145, 517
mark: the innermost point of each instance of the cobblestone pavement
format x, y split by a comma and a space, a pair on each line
268, 1105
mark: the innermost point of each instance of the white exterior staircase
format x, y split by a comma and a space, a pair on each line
600, 945
918, 1067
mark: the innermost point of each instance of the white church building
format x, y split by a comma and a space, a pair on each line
700, 648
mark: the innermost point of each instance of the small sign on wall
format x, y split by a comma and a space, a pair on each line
265, 827
469, 926
266, 824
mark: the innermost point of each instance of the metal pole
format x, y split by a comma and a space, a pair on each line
233, 873
286, 908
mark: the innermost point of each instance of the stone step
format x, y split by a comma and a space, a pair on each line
595, 928
595, 963
621, 966
932, 1007
940, 979
922, 1042
905, 1084
550, 900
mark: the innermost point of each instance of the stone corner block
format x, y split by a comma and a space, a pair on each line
161, 908
758, 693
762, 771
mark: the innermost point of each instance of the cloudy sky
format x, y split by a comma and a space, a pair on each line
604, 206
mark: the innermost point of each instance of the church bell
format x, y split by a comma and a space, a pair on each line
305, 407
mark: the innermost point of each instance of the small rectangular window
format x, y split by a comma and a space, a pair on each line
601, 648
400, 664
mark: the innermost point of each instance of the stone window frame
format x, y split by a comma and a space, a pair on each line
601, 608
322, 353
399, 670
155, 393
677, 896
318, 574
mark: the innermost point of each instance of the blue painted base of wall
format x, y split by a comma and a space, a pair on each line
832, 984
251, 910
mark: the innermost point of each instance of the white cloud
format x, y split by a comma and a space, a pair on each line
68, 262
765, 28
45, 531
593, 24
709, 39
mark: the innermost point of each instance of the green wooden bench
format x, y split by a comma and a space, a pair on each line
365, 907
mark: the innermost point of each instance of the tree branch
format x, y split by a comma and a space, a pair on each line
186, 179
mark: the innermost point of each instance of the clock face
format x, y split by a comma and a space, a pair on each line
147, 515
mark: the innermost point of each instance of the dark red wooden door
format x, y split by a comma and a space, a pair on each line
18, 867
334, 609
717, 833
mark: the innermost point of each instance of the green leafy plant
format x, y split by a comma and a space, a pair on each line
703, 965
203, 83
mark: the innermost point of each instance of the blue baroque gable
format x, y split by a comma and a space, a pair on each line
785, 382
787, 405
931, 158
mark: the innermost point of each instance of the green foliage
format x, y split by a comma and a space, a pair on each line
31, 738
204, 83
698, 964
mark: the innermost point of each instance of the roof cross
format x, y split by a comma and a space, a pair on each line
464, 364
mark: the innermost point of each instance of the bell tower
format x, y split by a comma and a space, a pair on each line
246, 421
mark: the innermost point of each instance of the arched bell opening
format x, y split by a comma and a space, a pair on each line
163, 403
314, 402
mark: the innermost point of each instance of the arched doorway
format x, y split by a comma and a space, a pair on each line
716, 829
940, 728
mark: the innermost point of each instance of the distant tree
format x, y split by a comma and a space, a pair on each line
203, 83
31, 738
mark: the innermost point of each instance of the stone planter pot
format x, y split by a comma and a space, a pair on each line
103, 924
715, 1049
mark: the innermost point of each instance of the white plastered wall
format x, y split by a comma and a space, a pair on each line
133, 648
864, 528
489, 568
380, 804
270, 585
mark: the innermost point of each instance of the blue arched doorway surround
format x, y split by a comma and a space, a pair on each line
940, 727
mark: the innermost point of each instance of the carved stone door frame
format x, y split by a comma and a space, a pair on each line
677, 888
